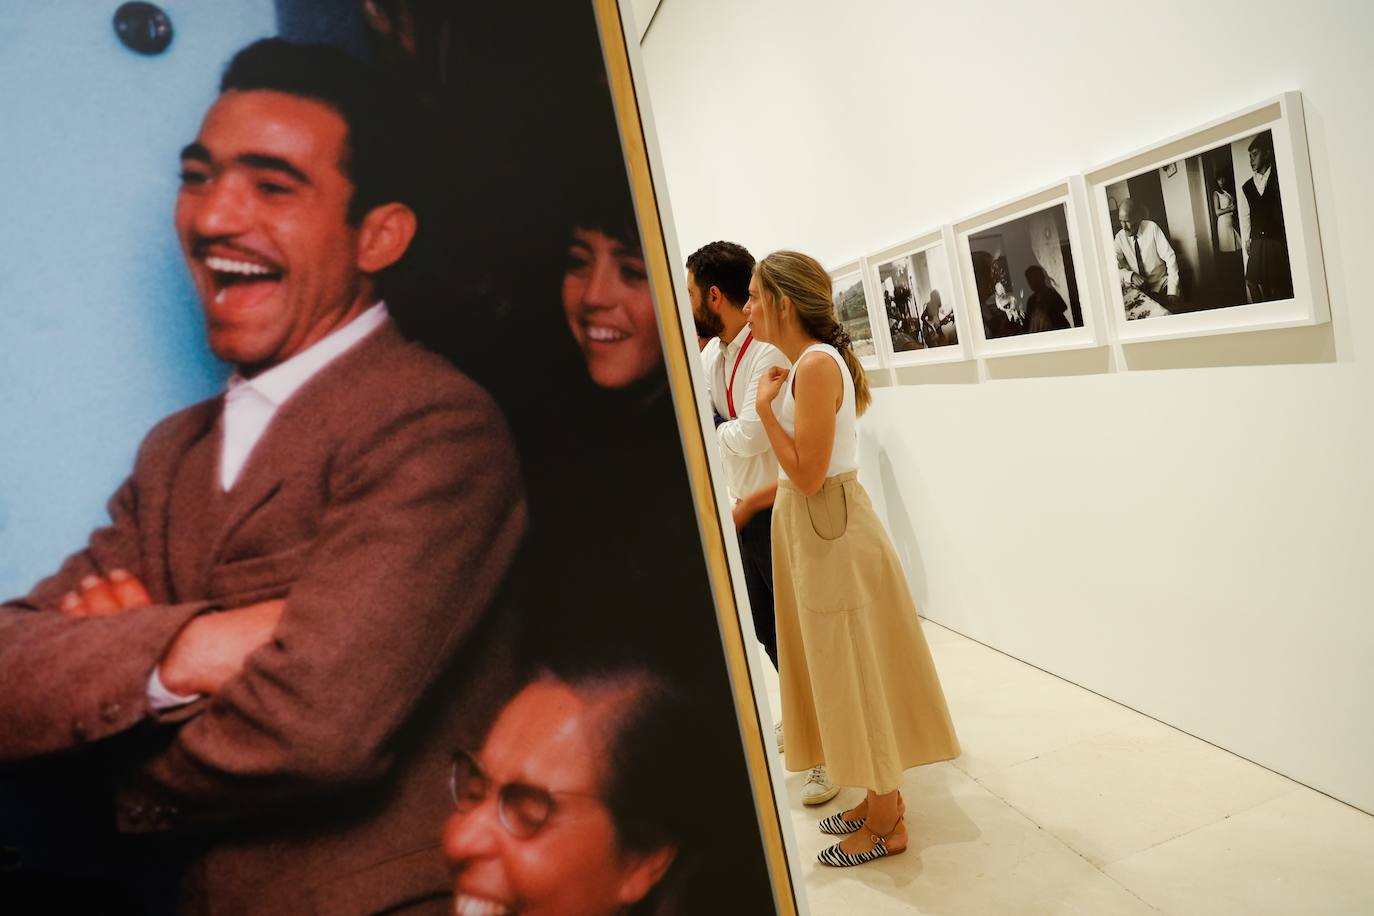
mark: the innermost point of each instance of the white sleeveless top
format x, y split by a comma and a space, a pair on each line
844, 454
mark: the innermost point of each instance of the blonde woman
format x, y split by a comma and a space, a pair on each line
859, 691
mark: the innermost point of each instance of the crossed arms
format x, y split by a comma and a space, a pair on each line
307, 689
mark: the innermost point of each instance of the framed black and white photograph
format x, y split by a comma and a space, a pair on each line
922, 304
855, 309
1213, 231
1028, 274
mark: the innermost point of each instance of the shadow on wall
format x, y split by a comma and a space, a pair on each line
1329, 224
1285, 346
1282, 346
1091, 361
961, 373
879, 378
902, 532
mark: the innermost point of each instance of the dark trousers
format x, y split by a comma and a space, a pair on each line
756, 552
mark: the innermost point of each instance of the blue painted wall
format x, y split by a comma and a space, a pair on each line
100, 334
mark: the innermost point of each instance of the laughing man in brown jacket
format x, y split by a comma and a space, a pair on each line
276, 644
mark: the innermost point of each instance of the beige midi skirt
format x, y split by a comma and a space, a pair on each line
859, 689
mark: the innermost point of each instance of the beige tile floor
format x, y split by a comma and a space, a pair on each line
1066, 803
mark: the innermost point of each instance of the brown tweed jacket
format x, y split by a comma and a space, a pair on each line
384, 505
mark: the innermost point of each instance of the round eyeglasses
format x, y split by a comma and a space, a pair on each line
523, 809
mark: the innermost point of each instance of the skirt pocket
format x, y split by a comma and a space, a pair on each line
825, 562
828, 512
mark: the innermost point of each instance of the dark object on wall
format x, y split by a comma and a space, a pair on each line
143, 27
330, 22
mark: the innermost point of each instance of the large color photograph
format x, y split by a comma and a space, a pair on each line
400, 603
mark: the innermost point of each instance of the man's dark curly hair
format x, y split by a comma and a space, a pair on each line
726, 266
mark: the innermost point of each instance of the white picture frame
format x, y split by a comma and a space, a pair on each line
928, 257
862, 330
1204, 242
1046, 229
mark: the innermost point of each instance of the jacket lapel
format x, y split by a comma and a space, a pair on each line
155, 494
298, 431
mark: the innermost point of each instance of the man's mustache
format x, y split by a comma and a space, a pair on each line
206, 246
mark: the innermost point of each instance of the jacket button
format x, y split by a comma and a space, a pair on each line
110, 713
135, 813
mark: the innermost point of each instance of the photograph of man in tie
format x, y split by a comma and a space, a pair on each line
1145, 260
1183, 243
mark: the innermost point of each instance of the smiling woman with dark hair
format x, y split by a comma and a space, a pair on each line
604, 465
607, 300
610, 308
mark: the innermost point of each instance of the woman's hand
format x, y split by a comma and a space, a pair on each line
769, 386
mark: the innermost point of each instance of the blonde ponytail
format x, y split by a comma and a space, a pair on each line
804, 281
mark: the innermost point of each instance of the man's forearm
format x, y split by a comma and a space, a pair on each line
66, 682
762, 498
211, 649
743, 438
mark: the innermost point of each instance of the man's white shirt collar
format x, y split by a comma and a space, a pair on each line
283, 380
737, 341
250, 404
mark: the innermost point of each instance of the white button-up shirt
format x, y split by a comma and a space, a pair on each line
250, 405
1160, 270
750, 464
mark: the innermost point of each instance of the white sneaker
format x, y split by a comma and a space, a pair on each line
777, 736
818, 788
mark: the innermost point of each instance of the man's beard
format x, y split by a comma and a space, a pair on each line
708, 325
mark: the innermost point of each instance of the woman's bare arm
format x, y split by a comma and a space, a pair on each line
818, 389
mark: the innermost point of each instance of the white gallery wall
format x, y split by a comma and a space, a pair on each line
1186, 527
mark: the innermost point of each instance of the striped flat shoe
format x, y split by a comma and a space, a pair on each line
890, 845
836, 825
